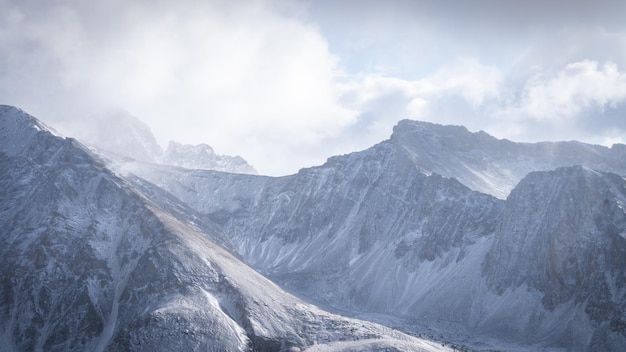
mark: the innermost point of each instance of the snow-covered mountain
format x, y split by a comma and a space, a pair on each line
202, 157
380, 231
116, 133
91, 261
495, 166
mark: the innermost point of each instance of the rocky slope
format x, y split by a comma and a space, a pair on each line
90, 261
563, 234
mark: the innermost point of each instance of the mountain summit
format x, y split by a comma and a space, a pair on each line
492, 165
203, 157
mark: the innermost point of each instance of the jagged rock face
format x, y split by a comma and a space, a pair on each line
495, 166
563, 233
89, 263
202, 157
357, 201
344, 232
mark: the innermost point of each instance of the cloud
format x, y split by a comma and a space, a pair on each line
581, 100
462, 85
287, 83
578, 87
252, 79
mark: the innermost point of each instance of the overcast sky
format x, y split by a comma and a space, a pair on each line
286, 84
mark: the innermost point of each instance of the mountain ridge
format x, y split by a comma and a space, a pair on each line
494, 166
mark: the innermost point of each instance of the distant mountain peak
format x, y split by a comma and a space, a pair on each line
118, 132
201, 148
203, 157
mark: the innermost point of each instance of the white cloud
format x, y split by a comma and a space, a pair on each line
610, 141
251, 79
470, 83
473, 81
578, 87
547, 105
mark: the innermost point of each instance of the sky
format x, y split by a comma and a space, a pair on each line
288, 83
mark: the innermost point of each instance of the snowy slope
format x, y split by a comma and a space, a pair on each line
88, 262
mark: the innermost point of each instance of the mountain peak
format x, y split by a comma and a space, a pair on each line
13, 118
495, 166
17, 129
418, 125
412, 134
203, 157
202, 147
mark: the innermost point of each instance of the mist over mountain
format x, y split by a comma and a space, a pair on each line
124, 135
115, 131
486, 243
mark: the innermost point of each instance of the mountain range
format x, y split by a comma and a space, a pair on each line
436, 231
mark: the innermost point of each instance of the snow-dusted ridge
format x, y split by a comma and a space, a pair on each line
495, 166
